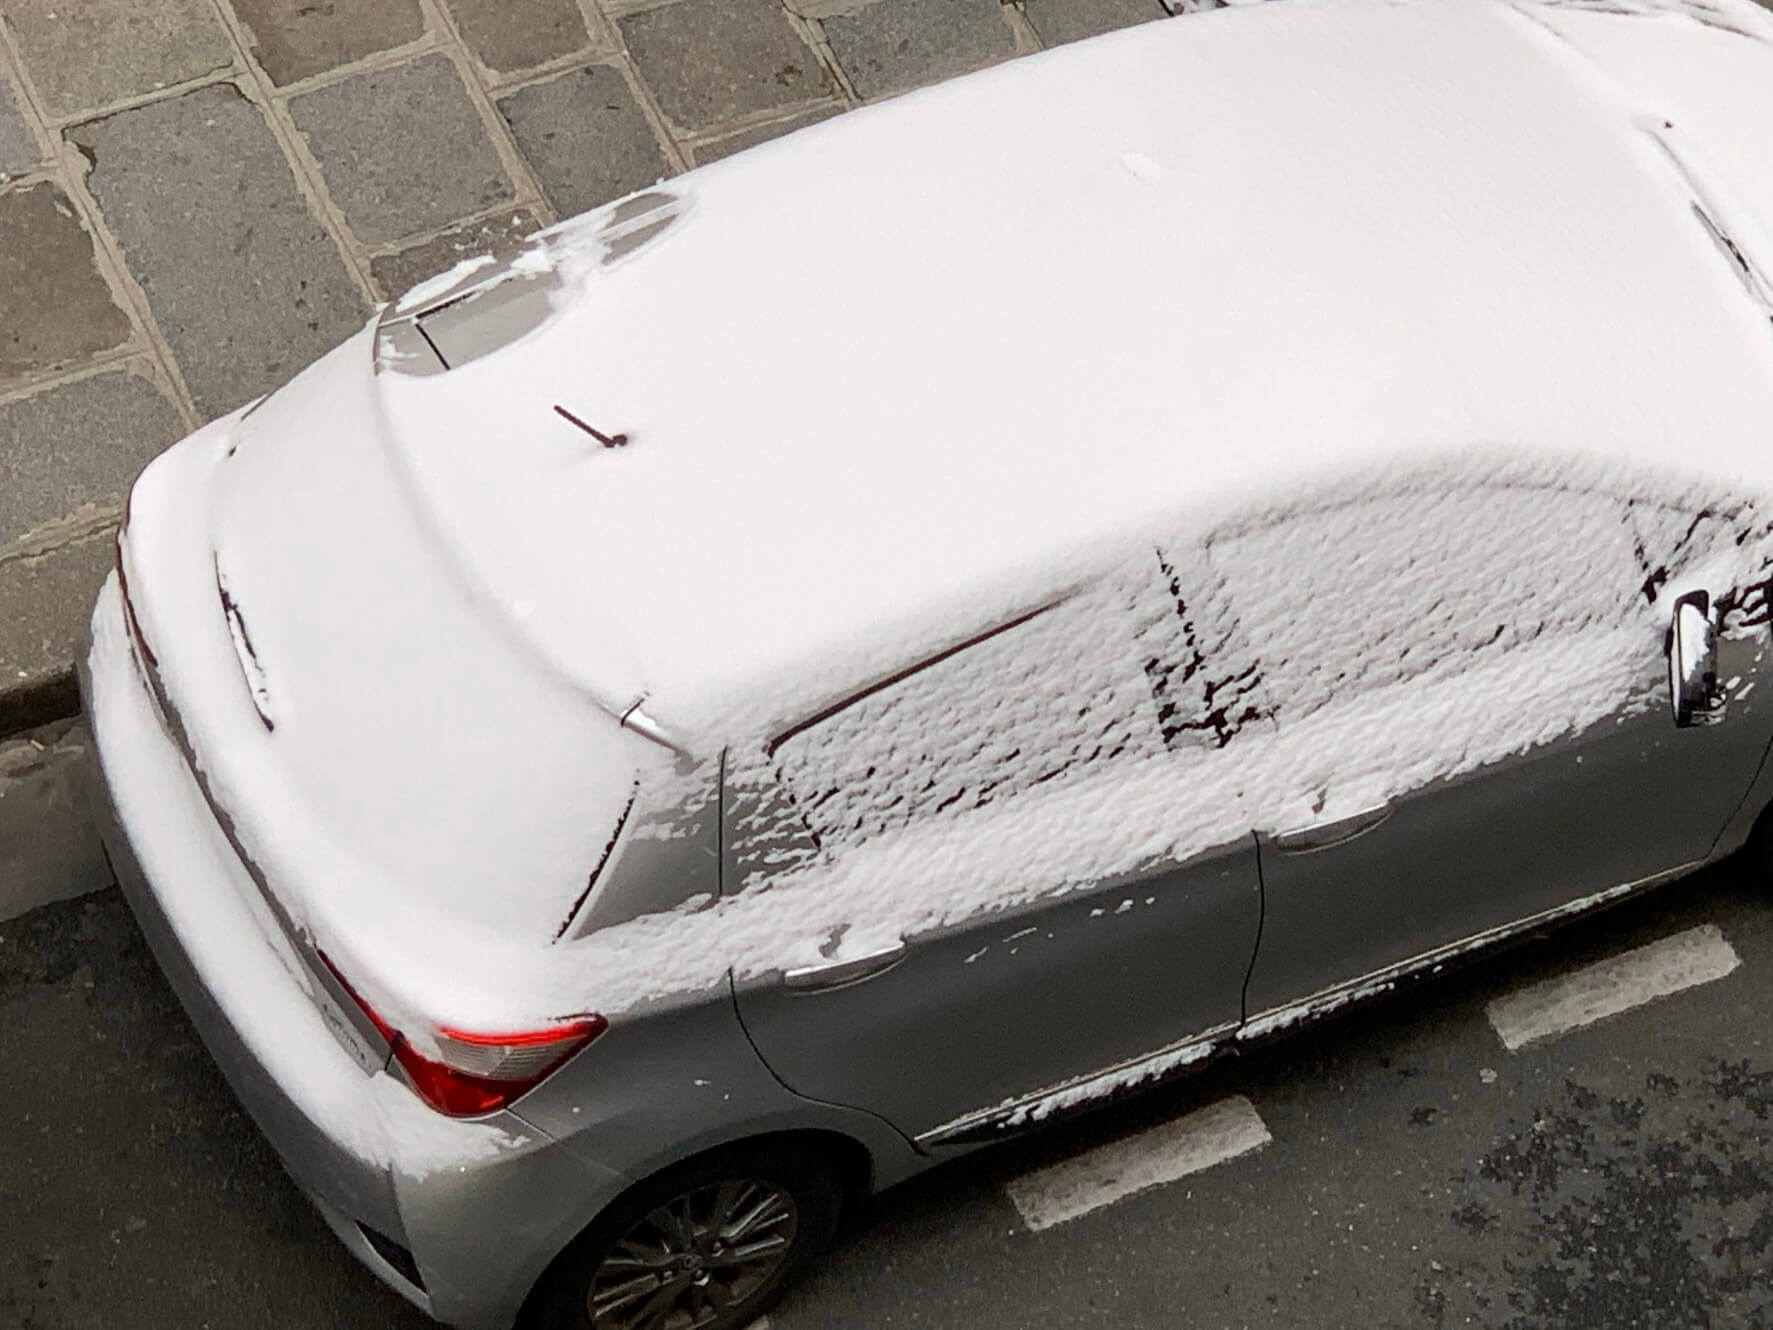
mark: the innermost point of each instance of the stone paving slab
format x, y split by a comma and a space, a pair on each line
1057, 21
295, 39
44, 603
84, 54
750, 138
893, 45
511, 35
244, 282
402, 150
498, 236
712, 61
18, 149
586, 138
49, 850
75, 446
55, 308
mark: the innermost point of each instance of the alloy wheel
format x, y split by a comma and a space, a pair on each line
687, 1263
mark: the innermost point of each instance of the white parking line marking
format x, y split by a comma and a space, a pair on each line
1606, 988
1111, 1172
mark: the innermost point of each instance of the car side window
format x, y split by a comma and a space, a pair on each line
1046, 701
1204, 671
1668, 539
1417, 584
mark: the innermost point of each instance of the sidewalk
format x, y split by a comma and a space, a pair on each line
197, 197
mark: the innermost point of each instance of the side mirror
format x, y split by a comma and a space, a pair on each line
1693, 663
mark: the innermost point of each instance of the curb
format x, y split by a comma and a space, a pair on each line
49, 850
37, 702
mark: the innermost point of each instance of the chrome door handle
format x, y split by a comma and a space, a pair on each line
835, 973
1322, 835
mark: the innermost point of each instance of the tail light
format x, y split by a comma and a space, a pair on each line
479, 1073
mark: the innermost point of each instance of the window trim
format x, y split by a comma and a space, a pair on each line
844, 703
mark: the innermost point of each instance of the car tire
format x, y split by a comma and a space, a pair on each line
698, 1239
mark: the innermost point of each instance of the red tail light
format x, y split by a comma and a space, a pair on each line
480, 1073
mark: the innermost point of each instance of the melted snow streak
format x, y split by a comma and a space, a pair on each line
1203, 677
1311, 655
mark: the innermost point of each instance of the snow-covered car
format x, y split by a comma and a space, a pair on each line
940, 621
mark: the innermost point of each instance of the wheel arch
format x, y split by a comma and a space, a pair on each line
849, 1160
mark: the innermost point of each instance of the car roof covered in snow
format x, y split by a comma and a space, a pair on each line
884, 380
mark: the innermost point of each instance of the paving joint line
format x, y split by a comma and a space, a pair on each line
209, 79
812, 32
602, 42
391, 57
391, 248
35, 383
663, 130
302, 164
70, 167
1023, 41
761, 119
678, 140
620, 9
526, 189
12, 75
1028, 41
597, 21
498, 84
23, 180
87, 521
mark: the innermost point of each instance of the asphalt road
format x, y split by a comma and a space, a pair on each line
1418, 1175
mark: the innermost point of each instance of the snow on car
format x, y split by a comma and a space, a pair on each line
636, 749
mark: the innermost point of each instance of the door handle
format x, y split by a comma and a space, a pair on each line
1322, 835
836, 973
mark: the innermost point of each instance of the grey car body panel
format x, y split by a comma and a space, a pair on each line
539, 1195
657, 858
1757, 798
316, 1162
641, 1106
1007, 1005
672, 1082
1627, 800
1014, 1001
483, 1235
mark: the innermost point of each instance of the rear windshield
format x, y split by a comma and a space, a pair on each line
410, 716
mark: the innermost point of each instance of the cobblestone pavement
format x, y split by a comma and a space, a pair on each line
197, 197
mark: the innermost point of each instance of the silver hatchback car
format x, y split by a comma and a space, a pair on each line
616, 778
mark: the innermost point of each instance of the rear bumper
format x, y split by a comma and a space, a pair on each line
320, 1165
482, 1206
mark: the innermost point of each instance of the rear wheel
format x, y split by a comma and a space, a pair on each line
704, 1247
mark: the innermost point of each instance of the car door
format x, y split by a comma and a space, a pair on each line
1018, 915
1468, 687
